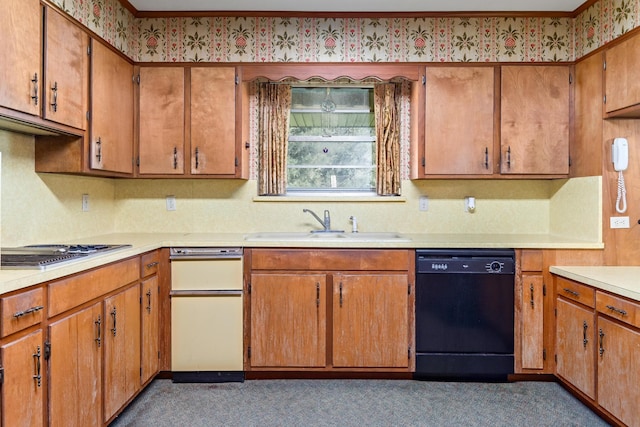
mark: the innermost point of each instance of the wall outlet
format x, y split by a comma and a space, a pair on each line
619, 221
423, 203
85, 203
171, 203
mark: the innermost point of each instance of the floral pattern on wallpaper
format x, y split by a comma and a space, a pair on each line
291, 39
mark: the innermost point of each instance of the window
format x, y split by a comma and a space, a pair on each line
332, 140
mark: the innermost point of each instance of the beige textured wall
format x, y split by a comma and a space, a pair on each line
47, 207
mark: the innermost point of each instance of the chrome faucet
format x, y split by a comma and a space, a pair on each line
326, 223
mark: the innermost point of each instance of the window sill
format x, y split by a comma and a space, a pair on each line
331, 198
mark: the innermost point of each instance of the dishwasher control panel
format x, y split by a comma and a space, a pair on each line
466, 261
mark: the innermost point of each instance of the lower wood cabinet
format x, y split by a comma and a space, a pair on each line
150, 329
75, 368
121, 349
330, 310
24, 381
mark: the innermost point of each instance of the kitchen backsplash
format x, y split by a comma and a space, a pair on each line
305, 39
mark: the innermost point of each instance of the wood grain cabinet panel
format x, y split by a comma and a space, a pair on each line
370, 320
111, 111
576, 346
535, 120
622, 89
75, 368
24, 381
161, 121
288, 320
66, 71
459, 125
619, 370
532, 321
21, 310
21, 69
150, 329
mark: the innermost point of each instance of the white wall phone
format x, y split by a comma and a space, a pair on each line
620, 158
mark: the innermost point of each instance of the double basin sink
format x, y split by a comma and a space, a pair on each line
330, 236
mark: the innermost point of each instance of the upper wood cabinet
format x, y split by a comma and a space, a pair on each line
21, 69
213, 121
622, 88
535, 120
161, 124
111, 136
193, 110
459, 124
65, 94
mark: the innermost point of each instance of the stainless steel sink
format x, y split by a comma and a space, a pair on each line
304, 236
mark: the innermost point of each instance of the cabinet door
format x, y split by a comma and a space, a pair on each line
122, 349
288, 320
213, 121
575, 346
22, 388
111, 111
161, 142
66, 71
532, 321
150, 329
622, 88
20, 72
619, 371
535, 120
370, 320
75, 369
455, 95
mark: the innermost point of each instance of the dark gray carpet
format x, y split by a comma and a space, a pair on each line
356, 403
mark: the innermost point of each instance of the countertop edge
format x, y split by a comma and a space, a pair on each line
619, 280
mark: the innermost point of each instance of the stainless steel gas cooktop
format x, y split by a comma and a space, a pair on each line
42, 257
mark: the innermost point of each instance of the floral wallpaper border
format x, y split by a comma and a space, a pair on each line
294, 39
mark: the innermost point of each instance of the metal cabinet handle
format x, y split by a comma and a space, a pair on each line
175, 157
486, 157
197, 155
148, 294
571, 292
36, 360
99, 150
27, 311
98, 324
601, 334
152, 264
531, 289
54, 104
509, 157
617, 310
341, 294
585, 340
34, 80
317, 294
113, 316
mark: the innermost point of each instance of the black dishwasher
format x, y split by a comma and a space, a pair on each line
465, 314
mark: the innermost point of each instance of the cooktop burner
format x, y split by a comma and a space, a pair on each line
41, 257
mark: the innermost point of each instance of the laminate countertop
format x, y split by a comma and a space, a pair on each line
11, 280
620, 280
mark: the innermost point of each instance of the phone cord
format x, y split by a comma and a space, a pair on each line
621, 202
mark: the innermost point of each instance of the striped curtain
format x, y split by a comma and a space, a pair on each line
274, 102
386, 99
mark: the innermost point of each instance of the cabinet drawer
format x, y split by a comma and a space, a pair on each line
149, 263
575, 291
330, 260
68, 293
22, 310
619, 308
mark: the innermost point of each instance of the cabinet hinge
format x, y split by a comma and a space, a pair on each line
604, 65
138, 161
570, 78
1, 375
237, 79
409, 289
136, 79
88, 50
249, 352
544, 289
88, 116
555, 358
569, 161
424, 80
544, 354
237, 162
409, 353
424, 162
249, 287
141, 371
555, 312
604, 99
47, 350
